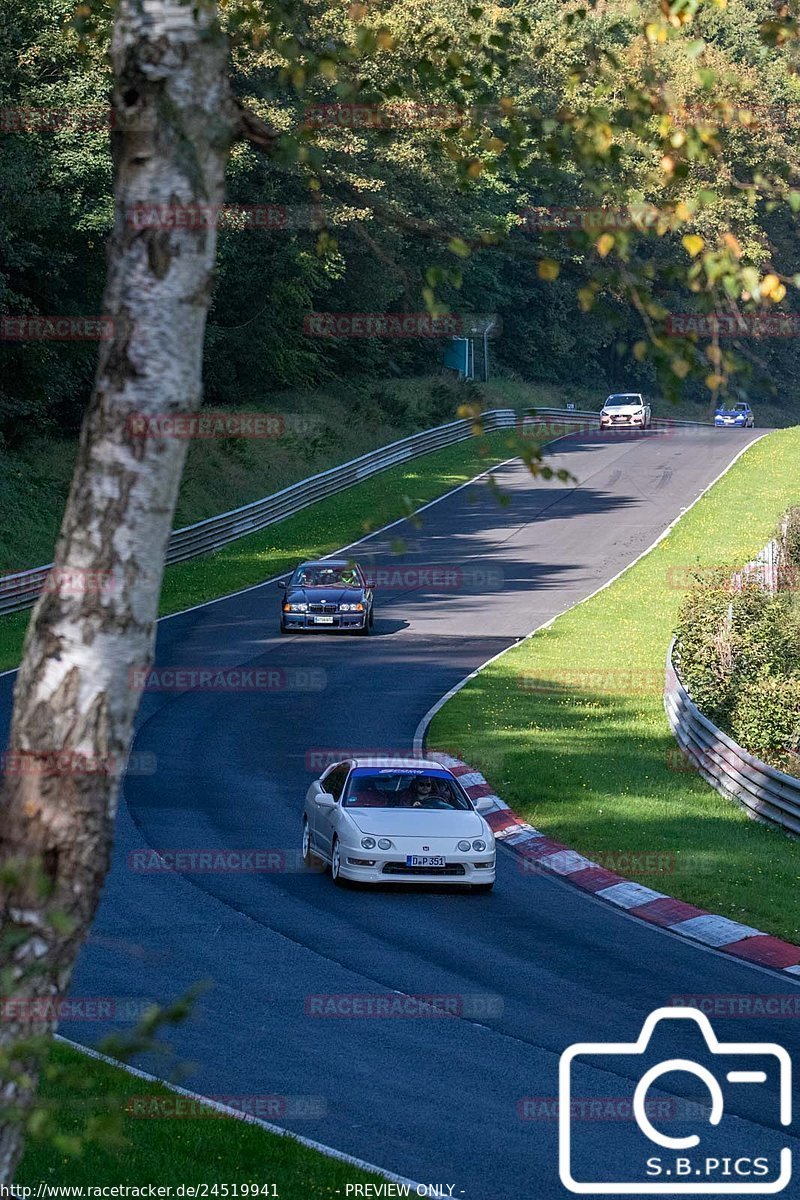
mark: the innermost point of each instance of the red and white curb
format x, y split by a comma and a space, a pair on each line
549, 857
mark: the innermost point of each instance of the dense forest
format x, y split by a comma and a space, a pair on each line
527, 178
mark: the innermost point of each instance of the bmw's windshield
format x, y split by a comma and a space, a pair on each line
318, 575
392, 788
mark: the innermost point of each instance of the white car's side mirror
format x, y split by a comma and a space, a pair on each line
484, 804
325, 800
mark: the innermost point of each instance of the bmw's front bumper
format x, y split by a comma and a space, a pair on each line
389, 866
301, 621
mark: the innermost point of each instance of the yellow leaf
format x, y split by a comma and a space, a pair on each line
605, 244
733, 245
386, 41
680, 367
586, 298
692, 244
769, 285
640, 351
714, 382
779, 293
327, 67
474, 169
548, 269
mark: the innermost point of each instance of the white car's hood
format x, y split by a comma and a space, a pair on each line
623, 410
416, 822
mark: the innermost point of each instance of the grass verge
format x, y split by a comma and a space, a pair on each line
318, 530
569, 726
166, 1149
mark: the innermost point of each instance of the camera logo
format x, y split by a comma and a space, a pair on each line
709, 1161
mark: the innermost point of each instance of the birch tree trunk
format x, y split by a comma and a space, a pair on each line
174, 123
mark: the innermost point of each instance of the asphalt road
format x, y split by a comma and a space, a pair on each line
535, 966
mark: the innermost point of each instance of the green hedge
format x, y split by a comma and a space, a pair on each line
738, 652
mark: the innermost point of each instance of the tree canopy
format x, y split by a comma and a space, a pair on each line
583, 171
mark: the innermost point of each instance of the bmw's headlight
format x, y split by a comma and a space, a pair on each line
464, 846
368, 843
384, 844
295, 608
351, 607
479, 844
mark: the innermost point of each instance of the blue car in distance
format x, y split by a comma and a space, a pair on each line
333, 594
740, 416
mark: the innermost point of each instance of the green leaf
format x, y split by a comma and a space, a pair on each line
459, 246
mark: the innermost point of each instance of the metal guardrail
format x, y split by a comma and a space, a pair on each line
768, 794
20, 590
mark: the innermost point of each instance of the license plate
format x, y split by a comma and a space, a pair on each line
323, 620
422, 860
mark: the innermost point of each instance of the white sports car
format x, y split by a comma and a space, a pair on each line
625, 409
397, 820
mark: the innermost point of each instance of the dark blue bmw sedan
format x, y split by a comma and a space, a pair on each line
333, 594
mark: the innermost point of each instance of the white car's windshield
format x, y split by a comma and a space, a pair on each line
373, 788
622, 401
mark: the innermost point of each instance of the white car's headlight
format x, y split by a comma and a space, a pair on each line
384, 844
295, 608
351, 607
464, 846
479, 844
368, 843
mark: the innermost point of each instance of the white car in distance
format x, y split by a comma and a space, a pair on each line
397, 821
625, 409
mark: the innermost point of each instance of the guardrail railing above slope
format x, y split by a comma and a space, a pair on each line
768, 794
21, 589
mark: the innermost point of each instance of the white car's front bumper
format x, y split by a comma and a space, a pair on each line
624, 422
389, 866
